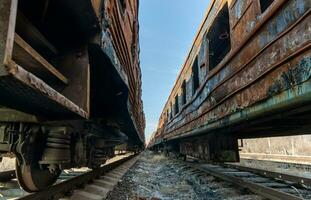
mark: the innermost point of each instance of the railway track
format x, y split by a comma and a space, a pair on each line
93, 184
271, 185
96, 184
304, 167
301, 181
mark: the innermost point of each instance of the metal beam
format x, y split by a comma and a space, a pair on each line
8, 12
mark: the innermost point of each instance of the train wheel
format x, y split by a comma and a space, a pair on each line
32, 178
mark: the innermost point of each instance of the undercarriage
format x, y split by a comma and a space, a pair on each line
43, 150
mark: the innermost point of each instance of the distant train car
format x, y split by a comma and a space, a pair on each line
247, 75
70, 84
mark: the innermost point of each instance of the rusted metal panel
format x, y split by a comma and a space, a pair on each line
23, 78
36, 89
269, 60
64, 54
123, 27
243, 19
8, 12
32, 61
79, 89
252, 72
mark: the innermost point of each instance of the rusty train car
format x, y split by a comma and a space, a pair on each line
70, 84
247, 75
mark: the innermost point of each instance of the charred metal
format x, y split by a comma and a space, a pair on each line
70, 85
253, 63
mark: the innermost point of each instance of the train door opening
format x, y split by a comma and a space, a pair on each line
176, 105
171, 113
195, 73
264, 4
184, 93
219, 38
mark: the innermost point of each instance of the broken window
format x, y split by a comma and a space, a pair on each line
171, 113
184, 92
219, 38
195, 73
176, 105
264, 4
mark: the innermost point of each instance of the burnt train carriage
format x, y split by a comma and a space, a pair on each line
247, 75
70, 84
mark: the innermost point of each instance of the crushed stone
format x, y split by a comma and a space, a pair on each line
156, 177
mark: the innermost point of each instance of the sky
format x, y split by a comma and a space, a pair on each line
167, 30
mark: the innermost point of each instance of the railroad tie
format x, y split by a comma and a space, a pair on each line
99, 188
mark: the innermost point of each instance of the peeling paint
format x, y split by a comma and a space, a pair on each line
292, 77
274, 60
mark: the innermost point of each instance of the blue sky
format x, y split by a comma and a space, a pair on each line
167, 29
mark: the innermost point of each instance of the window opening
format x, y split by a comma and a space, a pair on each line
176, 105
184, 92
264, 4
219, 38
195, 73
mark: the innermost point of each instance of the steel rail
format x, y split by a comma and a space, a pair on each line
259, 189
271, 174
61, 189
